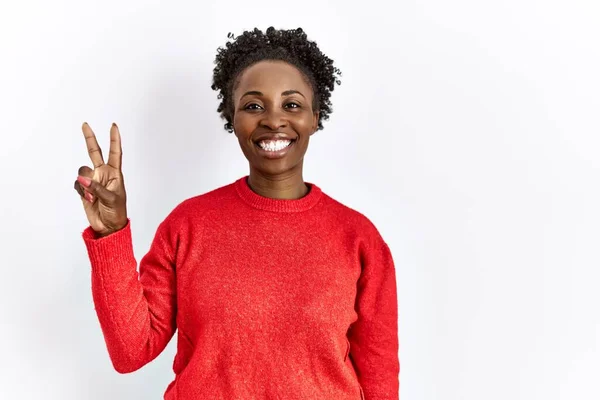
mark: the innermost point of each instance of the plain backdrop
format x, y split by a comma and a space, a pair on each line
467, 131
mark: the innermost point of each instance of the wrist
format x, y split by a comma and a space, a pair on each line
108, 232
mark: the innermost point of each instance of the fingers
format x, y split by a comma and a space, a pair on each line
85, 195
115, 157
92, 145
88, 173
77, 186
97, 190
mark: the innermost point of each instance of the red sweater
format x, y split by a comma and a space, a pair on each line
271, 299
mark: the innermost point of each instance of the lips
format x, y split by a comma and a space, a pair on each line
273, 145
274, 149
273, 136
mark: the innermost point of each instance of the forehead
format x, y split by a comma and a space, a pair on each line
272, 76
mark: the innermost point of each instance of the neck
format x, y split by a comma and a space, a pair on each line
289, 185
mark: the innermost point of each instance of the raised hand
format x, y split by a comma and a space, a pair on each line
102, 189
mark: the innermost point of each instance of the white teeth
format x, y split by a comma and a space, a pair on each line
274, 145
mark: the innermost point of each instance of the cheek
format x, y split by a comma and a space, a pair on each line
304, 124
242, 124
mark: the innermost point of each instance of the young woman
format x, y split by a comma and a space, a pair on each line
275, 289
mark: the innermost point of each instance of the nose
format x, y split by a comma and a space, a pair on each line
273, 119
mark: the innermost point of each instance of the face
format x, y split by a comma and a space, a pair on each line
273, 117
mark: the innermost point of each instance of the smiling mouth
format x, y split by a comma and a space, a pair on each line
274, 145
274, 148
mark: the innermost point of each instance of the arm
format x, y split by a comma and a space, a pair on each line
136, 312
374, 336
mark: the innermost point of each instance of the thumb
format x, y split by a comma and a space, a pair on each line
95, 188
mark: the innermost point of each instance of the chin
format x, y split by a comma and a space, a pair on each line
276, 167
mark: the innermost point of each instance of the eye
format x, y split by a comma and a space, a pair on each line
252, 106
292, 105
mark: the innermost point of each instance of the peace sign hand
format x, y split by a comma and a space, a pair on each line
102, 189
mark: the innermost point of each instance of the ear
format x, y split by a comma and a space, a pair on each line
315, 124
230, 120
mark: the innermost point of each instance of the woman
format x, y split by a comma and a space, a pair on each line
276, 290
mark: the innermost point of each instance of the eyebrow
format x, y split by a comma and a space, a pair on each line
257, 93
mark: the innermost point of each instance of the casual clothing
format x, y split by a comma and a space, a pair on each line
270, 298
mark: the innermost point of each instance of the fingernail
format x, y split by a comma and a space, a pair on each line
84, 181
115, 125
89, 197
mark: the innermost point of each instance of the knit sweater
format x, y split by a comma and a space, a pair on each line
270, 299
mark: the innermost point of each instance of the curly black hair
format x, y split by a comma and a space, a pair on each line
291, 46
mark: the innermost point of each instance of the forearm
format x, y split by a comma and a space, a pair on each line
136, 322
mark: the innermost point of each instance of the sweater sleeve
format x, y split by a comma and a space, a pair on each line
136, 311
373, 336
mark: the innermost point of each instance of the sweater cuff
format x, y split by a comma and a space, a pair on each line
112, 252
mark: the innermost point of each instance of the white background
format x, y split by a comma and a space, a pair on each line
467, 131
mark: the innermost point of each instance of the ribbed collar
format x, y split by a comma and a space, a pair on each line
278, 205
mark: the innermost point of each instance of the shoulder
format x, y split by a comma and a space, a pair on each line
352, 219
197, 207
359, 230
